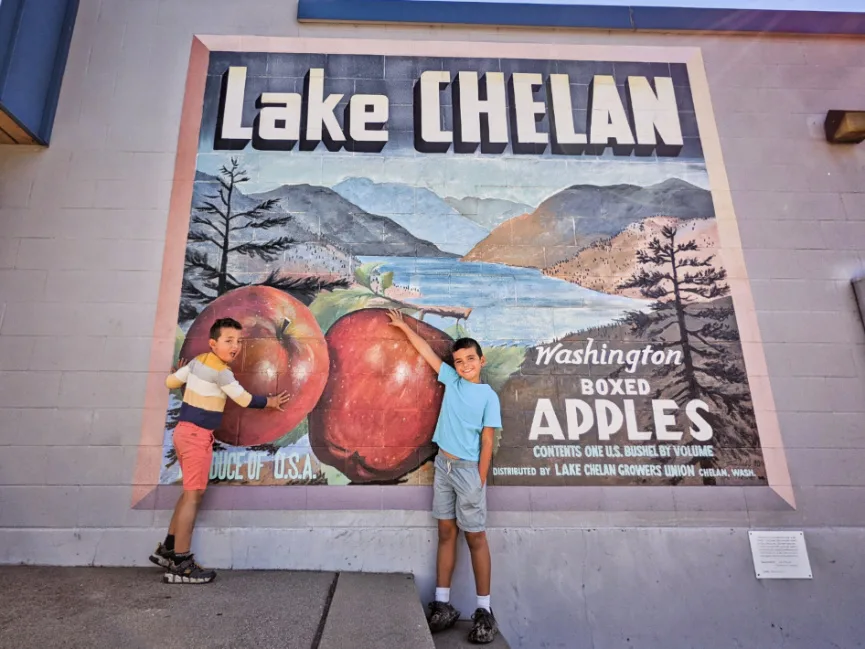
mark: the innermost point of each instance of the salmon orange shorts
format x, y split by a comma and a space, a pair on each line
194, 446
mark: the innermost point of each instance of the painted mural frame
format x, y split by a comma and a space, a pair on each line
149, 494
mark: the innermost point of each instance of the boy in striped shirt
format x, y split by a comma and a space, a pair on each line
208, 380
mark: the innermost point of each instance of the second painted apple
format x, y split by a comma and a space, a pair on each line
377, 414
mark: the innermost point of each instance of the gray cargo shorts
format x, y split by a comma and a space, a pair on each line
458, 494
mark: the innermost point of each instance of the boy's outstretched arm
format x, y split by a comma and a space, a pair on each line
178, 377
244, 399
487, 440
419, 343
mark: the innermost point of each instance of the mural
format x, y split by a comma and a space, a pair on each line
556, 211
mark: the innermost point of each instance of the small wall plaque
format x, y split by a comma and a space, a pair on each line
780, 555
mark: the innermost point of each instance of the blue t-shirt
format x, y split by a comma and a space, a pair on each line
466, 409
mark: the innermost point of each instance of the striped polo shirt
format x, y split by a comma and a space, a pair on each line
208, 382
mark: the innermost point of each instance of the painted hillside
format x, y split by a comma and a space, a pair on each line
608, 262
327, 216
577, 217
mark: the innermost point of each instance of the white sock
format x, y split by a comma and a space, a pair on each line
484, 602
443, 595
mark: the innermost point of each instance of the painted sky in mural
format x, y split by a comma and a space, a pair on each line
588, 269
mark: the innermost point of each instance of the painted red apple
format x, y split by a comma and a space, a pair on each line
376, 417
283, 348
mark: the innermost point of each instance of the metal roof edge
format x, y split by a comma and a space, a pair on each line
511, 14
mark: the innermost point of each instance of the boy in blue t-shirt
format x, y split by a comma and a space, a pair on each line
465, 431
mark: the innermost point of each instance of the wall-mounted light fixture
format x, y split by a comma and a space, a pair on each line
845, 126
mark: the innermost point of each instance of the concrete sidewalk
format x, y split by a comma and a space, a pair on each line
130, 608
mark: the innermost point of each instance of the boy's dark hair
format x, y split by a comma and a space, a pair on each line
468, 343
223, 323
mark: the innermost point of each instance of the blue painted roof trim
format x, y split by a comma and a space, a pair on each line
585, 16
35, 36
65, 41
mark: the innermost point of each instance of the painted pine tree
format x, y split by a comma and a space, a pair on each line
688, 313
226, 225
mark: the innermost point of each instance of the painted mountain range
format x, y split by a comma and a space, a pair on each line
419, 210
327, 215
320, 215
487, 212
609, 262
577, 217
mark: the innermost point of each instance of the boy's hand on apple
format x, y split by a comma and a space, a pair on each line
396, 319
277, 401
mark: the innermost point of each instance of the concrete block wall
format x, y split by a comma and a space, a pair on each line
82, 228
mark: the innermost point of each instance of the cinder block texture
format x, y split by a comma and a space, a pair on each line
82, 226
